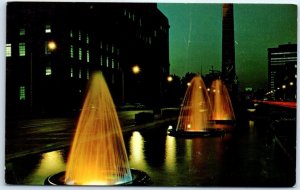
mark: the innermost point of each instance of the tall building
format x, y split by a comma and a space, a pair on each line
282, 72
228, 53
53, 48
228, 47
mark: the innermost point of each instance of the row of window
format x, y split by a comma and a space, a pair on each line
22, 49
48, 72
22, 31
80, 36
131, 16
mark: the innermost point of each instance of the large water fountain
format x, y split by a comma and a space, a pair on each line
222, 110
195, 112
98, 155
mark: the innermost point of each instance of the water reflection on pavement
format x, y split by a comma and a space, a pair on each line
240, 158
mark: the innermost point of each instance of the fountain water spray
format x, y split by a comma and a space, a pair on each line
98, 155
196, 108
195, 112
221, 103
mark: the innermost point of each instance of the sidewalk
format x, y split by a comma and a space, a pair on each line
42, 135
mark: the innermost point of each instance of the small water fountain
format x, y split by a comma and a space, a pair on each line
195, 112
222, 110
98, 155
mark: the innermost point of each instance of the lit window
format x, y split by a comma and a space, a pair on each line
87, 39
101, 45
112, 63
117, 64
22, 93
71, 72
80, 53
71, 51
125, 13
87, 74
71, 33
107, 47
48, 29
22, 49
48, 71
107, 62
87, 56
79, 35
140, 22
79, 74
133, 17
22, 32
47, 50
8, 50
101, 60
112, 49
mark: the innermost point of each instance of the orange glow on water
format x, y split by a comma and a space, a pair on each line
196, 108
221, 103
98, 155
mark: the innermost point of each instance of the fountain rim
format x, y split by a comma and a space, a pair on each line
138, 178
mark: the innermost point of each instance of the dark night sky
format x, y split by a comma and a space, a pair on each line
196, 42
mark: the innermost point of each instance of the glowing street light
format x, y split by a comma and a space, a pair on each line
51, 45
284, 86
291, 83
170, 79
136, 69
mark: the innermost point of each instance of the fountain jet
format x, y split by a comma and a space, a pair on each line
98, 155
222, 109
196, 108
195, 112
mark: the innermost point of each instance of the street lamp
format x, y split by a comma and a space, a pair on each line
170, 79
136, 69
51, 45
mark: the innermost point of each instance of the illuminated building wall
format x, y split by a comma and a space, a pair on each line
282, 72
52, 49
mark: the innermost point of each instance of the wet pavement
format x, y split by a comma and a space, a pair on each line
247, 156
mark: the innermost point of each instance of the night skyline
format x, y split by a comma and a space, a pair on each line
196, 37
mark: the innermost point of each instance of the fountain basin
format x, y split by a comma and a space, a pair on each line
139, 178
206, 132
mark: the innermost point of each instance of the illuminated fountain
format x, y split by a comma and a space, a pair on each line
222, 110
98, 155
195, 112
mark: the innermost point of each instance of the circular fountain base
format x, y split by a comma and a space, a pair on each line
139, 178
206, 132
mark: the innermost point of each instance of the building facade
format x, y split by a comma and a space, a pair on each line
52, 49
282, 72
